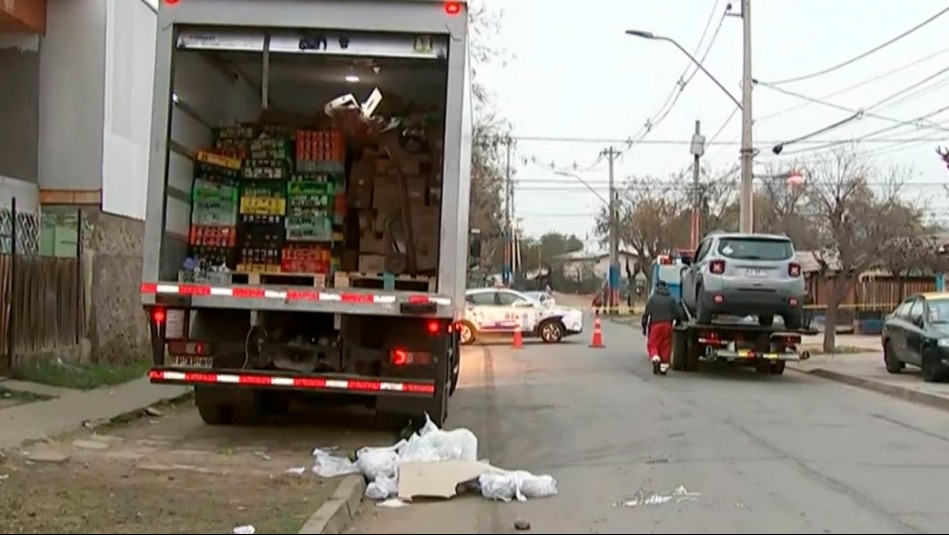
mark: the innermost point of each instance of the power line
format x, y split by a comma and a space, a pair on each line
614, 141
865, 54
854, 86
860, 111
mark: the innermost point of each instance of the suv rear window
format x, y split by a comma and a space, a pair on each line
755, 249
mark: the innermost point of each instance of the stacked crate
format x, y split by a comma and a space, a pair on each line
263, 203
214, 207
320, 152
310, 224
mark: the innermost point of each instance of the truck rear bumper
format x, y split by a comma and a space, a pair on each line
373, 386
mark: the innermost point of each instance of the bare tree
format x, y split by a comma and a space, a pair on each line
650, 218
781, 208
487, 159
854, 222
914, 251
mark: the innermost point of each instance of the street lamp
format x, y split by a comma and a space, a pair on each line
747, 150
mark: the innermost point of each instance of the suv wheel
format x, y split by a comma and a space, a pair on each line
793, 320
765, 321
702, 313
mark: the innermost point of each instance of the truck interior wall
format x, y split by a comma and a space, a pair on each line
208, 96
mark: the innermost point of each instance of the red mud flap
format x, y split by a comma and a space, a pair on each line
261, 379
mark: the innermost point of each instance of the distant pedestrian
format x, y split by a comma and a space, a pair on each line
662, 312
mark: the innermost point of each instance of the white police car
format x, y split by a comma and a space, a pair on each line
500, 311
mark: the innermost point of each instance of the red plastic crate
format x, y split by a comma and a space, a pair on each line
213, 236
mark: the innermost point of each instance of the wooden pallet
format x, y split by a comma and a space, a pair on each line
384, 281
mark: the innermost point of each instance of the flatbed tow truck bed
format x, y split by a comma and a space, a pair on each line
767, 349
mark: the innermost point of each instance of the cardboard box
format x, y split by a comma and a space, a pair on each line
372, 263
372, 243
386, 195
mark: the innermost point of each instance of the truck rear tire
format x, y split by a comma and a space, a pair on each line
680, 348
229, 406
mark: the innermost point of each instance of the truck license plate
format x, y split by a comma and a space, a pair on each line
185, 361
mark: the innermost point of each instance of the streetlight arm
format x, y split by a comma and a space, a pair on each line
650, 35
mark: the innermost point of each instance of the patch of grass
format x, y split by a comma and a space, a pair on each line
83, 376
8, 397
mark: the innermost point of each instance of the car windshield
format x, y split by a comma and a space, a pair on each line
756, 249
939, 311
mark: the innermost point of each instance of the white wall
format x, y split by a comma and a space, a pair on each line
72, 80
129, 74
27, 195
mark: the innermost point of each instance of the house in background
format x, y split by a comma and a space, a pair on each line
580, 265
75, 105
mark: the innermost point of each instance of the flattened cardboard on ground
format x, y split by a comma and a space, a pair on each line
437, 479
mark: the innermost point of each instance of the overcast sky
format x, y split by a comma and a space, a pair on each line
575, 74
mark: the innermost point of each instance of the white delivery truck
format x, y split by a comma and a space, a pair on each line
263, 110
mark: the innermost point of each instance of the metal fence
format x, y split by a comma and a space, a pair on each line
42, 301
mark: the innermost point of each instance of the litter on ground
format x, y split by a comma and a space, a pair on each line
643, 498
245, 530
432, 463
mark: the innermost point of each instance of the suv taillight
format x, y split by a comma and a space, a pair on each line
717, 266
794, 270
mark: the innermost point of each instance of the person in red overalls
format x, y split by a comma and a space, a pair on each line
662, 312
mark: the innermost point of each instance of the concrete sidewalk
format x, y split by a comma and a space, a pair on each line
869, 343
46, 419
866, 370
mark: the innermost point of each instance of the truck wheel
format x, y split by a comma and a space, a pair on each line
467, 333
679, 349
455, 367
693, 354
551, 331
211, 408
777, 368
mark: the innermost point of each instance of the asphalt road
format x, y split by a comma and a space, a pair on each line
766, 454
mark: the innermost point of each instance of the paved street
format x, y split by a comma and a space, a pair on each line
767, 454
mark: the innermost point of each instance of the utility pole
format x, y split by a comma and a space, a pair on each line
613, 285
747, 214
507, 272
698, 150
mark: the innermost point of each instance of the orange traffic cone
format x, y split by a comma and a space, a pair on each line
518, 337
597, 341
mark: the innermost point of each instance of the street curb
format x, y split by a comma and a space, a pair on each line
906, 394
336, 513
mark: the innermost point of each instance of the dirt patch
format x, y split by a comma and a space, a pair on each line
117, 497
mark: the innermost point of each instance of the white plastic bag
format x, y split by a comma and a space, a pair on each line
520, 485
326, 465
377, 463
382, 489
433, 444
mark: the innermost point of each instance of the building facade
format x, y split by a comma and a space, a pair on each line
75, 100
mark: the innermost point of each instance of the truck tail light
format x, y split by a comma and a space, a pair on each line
794, 269
717, 266
184, 347
402, 357
453, 8
433, 327
159, 316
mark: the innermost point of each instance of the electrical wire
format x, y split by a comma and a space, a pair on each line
865, 54
606, 140
860, 111
854, 86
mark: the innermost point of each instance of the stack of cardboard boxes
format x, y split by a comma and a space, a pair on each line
398, 224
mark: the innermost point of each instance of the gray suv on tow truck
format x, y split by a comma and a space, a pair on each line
740, 274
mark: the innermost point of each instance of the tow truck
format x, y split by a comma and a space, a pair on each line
735, 341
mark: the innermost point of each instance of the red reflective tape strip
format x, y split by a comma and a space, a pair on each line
259, 380
309, 382
356, 298
418, 299
149, 288
366, 386
303, 295
417, 388
193, 289
248, 293
198, 377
